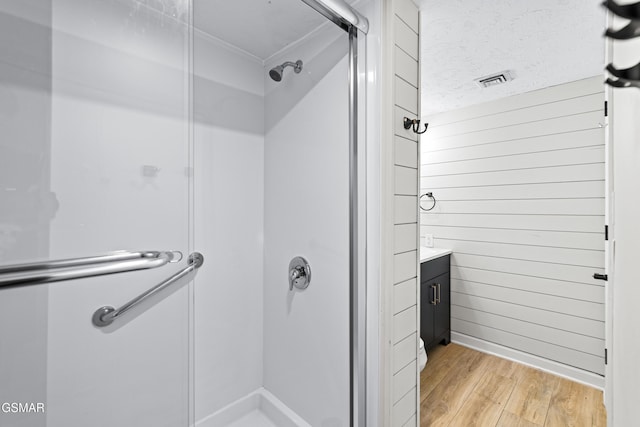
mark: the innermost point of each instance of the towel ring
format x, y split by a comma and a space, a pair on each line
429, 195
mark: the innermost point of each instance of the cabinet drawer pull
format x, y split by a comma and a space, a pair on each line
438, 297
433, 299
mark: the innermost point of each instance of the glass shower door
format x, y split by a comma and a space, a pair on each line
94, 158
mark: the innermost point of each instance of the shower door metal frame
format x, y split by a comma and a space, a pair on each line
357, 291
357, 298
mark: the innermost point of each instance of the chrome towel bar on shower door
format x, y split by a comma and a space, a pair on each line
106, 315
78, 268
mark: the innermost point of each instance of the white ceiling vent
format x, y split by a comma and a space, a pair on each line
494, 79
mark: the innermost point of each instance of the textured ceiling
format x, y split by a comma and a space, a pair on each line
259, 27
542, 42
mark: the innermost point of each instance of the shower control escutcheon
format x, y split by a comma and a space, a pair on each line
299, 273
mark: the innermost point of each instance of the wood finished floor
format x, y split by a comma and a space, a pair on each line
461, 387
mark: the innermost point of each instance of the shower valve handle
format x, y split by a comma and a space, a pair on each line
299, 273
294, 275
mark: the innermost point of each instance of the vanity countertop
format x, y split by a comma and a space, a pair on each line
427, 254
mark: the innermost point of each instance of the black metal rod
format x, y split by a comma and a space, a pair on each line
627, 11
622, 83
630, 31
632, 73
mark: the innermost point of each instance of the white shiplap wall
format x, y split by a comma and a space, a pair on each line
520, 190
404, 392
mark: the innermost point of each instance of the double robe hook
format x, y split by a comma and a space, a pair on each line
629, 77
626, 11
415, 124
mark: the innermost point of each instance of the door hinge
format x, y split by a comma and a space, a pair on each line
599, 276
606, 232
606, 357
606, 108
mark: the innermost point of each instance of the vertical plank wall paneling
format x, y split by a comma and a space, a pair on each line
520, 189
404, 332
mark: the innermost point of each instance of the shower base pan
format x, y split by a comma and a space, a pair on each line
258, 409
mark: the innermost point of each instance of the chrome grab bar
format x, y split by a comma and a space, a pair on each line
106, 315
78, 268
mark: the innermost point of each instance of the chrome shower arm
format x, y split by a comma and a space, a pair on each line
297, 66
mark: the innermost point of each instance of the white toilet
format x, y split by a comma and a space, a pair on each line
422, 355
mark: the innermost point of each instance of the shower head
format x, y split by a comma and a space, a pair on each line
276, 72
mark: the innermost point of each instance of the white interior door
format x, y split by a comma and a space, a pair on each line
94, 157
623, 334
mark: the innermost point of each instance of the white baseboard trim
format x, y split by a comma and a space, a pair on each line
568, 372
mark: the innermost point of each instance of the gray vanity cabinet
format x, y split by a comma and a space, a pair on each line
435, 301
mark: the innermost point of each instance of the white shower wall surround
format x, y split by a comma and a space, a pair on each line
75, 138
306, 213
29, 126
229, 204
271, 183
